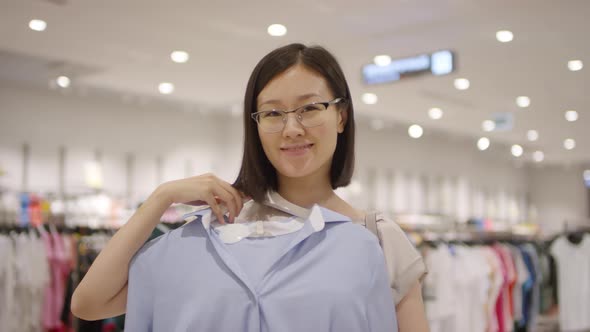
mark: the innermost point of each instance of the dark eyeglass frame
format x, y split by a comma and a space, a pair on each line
255, 116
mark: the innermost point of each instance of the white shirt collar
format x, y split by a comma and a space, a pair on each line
274, 199
317, 216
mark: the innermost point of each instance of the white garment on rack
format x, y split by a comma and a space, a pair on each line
439, 292
480, 289
40, 280
573, 270
27, 273
6, 283
471, 287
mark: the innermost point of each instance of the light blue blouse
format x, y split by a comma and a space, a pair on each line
328, 276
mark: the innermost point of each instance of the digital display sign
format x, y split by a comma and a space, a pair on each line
437, 63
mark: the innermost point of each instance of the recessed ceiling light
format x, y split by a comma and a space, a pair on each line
571, 116
538, 156
377, 124
517, 150
462, 84
504, 36
37, 25
166, 88
569, 144
382, 60
415, 131
435, 113
483, 143
179, 56
532, 135
575, 65
488, 125
277, 30
523, 101
63, 81
370, 98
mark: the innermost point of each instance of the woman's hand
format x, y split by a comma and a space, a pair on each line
103, 291
206, 189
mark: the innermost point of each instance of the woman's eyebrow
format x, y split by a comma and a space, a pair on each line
301, 97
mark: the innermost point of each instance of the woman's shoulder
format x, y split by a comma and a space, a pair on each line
405, 264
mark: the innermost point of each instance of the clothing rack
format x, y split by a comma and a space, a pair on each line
470, 234
576, 231
58, 259
82, 230
480, 238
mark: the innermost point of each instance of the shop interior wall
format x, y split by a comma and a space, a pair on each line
165, 144
562, 200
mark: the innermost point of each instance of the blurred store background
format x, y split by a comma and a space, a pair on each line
472, 129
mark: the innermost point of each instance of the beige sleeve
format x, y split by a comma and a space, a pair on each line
405, 265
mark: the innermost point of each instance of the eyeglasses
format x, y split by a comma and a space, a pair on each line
310, 115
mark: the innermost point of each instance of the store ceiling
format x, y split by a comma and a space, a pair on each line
125, 46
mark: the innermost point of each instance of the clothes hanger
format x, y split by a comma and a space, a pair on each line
162, 228
575, 237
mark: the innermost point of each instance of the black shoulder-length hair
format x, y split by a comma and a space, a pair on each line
257, 175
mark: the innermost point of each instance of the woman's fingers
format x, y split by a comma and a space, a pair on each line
238, 202
212, 191
227, 199
215, 208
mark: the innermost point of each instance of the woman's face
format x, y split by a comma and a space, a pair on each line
293, 88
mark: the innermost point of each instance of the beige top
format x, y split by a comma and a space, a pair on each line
405, 264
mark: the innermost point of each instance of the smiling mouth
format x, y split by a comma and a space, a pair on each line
303, 147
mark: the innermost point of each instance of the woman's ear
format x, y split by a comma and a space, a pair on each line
342, 118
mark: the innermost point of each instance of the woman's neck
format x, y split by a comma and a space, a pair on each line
306, 192
315, 189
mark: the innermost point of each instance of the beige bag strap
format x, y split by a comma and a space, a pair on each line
371, 222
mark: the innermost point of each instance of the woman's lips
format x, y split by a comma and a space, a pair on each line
299, 151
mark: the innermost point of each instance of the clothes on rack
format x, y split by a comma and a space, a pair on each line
474, 288
59, 256
38, 272
35, 271
572, 257
24, 277
83, 210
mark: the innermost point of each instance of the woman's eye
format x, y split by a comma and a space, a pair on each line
310, 108
271, 114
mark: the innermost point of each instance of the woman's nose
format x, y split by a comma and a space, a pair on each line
292, 126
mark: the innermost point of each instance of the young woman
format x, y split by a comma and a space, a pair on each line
307, 267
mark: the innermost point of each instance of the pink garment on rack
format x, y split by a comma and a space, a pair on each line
502, 297
512, 277
59, 265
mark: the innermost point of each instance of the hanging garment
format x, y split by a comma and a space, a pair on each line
7, 283
573, 277
59, 264
330, 276
405, 265
439, 291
